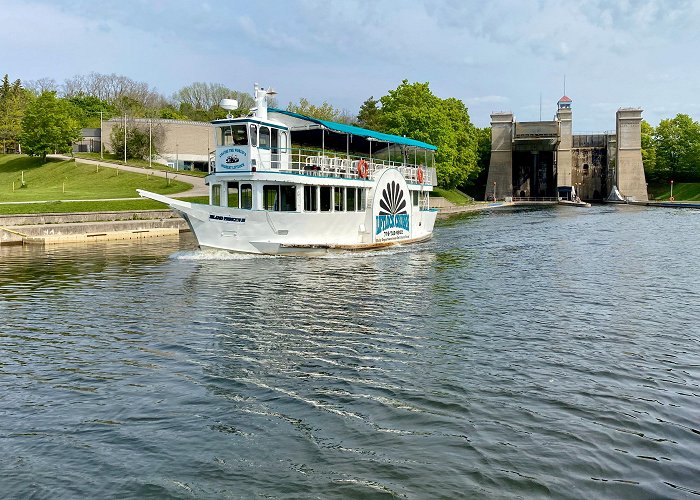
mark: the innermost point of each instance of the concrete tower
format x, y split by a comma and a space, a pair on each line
630, 169
564, 117
500, 178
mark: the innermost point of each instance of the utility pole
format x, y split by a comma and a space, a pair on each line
101, 143
124, 138
150, 127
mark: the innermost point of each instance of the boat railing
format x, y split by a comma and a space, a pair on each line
329, 164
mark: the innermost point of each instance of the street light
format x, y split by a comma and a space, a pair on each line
671, 199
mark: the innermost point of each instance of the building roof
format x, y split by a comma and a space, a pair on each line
350, 129
565, 99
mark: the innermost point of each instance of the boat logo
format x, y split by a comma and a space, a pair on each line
392, 213
232, 159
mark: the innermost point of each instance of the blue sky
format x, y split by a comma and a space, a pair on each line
493, 55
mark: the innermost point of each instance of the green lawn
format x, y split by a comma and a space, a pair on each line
133, 162
682, 191
90, 206
68, 180
453, 195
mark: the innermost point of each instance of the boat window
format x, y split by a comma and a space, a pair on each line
216, 194
310, 201
283, 141
288, 197
271, 198
326, 198
361, 199
415, 198
350, 198
339, 199
233, 134
265, 137
253, 134
233, 194
246, 196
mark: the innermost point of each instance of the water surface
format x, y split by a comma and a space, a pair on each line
523, 354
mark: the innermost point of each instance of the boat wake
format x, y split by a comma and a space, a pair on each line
197, 255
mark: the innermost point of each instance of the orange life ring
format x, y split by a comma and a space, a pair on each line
363, 169
419, 175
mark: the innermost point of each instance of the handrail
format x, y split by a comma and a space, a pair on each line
333, 164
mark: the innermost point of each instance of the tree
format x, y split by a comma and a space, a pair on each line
649, 151
137, 139
13, 102
323, 112
87, 110
414, 111
677, 145
370, 114
200, 101
48, 126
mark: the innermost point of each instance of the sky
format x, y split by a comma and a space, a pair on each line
519, 55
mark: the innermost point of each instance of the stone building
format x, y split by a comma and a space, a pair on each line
186, 144
546, 159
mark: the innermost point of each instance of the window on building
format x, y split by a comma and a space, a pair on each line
326, 192
232, 194
216, 194
253, 134
351, 198
246, 196
310, 201
339, 194
416, 196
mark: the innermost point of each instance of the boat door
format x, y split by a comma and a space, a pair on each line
265, 148
282, 151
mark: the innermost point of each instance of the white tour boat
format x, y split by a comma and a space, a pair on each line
284, 183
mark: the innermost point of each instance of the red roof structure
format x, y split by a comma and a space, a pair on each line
565, 99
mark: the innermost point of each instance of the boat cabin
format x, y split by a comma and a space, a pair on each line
282, 161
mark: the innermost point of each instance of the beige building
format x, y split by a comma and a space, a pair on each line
186, 144
546, 159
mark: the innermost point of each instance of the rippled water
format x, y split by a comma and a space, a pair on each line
518, 354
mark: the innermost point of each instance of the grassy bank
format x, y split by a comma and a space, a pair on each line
453, 196
61, 207
24, 178
682, 191
134, 162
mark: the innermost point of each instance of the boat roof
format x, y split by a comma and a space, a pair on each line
296, 121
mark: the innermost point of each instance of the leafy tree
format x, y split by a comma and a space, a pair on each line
649, 151
48, 126
13, 102
677, 145
87, 110
137, 139
370, 114
200, 101
323, 112
414, 111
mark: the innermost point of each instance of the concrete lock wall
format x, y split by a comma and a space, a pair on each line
630, 169
500, 177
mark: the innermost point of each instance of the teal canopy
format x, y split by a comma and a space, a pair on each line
349, 129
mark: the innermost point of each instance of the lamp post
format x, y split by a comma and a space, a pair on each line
671, 190
494, 190
150, 128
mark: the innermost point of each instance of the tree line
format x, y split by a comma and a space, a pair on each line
671, 150
44, 116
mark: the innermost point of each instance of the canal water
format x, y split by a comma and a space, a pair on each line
527, 353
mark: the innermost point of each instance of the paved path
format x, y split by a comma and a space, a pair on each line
198, 186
